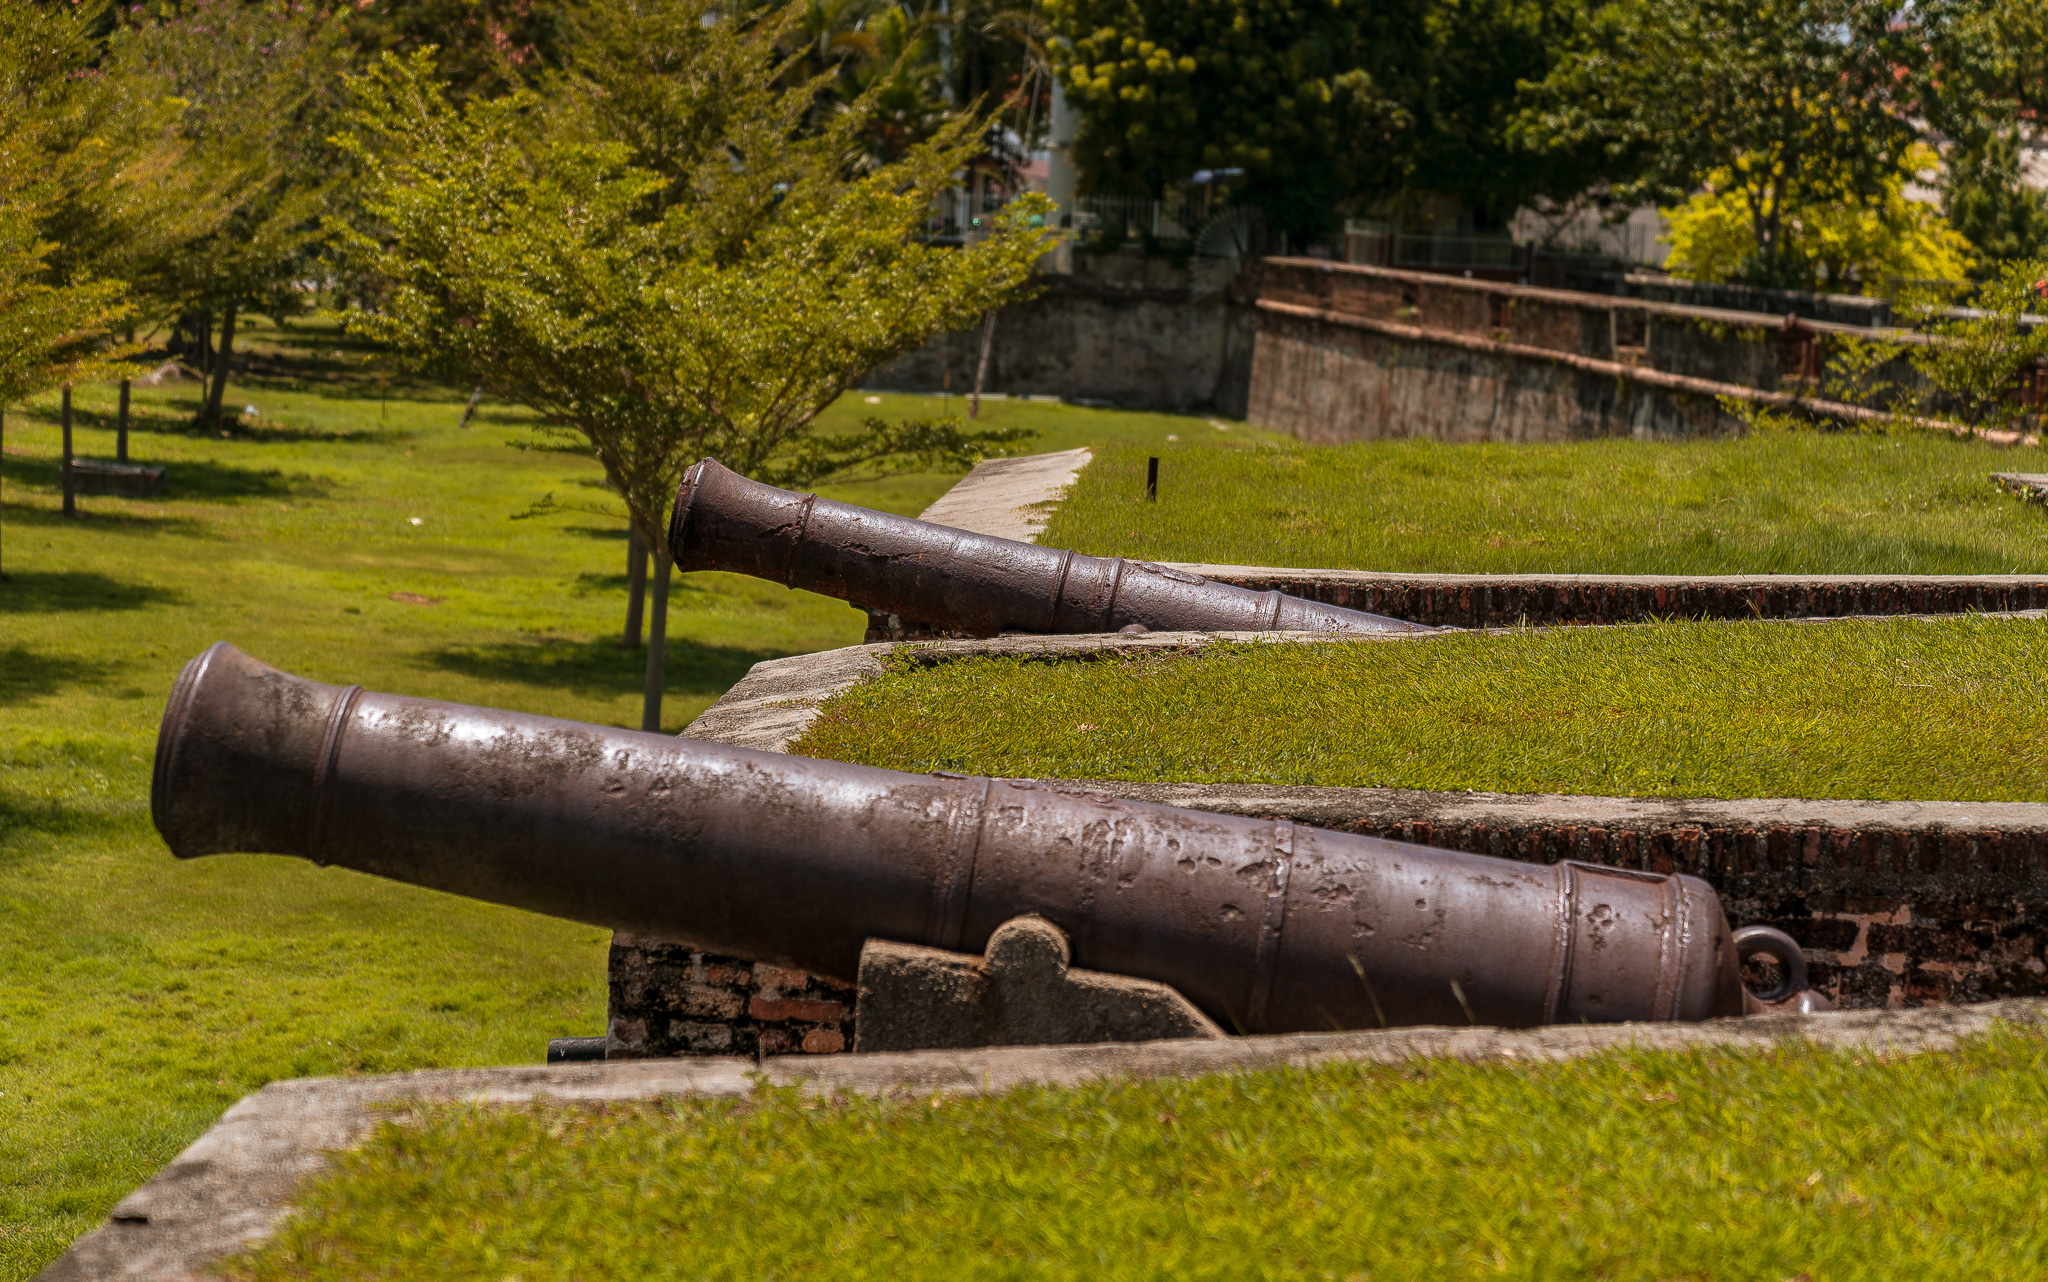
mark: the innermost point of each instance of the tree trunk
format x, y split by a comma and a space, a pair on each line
636, 589
70, 490
202, 344
657, 644
220, 368
988, 339
121, 429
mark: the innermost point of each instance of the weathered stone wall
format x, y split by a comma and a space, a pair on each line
1350, 353
1123, 328
1329, 385
665, 999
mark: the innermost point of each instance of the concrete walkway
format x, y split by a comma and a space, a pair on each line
231, 1187
1008, 497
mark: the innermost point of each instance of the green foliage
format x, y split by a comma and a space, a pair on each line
1812, 503
1720, 709
1988, 201
1843, 246
664, 252
1795, 101
1978, 356
1294, 92
481, 46
1326, 105
1981, 84
54, 326
1629, 1165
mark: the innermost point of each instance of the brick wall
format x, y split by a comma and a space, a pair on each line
666, 1000
1537, 600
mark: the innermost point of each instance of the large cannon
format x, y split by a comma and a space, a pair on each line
1266, 925
960, 581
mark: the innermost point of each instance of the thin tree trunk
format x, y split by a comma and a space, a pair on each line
121, 431
70, 490
636, 589
220, 368
202, 338
988, 340
657, 644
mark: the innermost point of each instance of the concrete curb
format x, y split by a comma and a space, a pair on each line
232, 1186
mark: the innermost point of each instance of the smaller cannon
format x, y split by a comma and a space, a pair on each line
960, 581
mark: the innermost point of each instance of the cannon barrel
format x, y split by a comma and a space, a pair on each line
961, 581
1267, 925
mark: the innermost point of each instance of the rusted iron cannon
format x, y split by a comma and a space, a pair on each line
960, 581
1266, 925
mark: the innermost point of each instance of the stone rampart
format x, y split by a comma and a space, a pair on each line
1123, 329
1351, 353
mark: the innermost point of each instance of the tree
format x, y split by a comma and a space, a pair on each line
1794, 101
1979, 357
1842, 246
53, 331
258, 84
1981, 84
1297, 93
664, 255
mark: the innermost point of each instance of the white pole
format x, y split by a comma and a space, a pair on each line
1060, 177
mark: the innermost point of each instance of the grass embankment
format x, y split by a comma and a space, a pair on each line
139, 996
1944, 710
1626, 1166
1801, 503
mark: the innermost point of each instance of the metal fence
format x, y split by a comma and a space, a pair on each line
1379, 243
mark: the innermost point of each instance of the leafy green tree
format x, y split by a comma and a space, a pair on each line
1843, 247
1979, 356
1796, 100
259, 86
1981, 84
665, 255
1300, 94
481, 46
54, 330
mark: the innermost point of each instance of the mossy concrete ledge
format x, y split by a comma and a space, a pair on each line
1547, 600
229, 1190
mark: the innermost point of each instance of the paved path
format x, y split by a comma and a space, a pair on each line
1005, 496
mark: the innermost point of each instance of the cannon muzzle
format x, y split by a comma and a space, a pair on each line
960, 581
1267, 925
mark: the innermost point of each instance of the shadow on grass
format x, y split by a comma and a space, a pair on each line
191, 479
26, 674
68, 591
600, 668
285, 429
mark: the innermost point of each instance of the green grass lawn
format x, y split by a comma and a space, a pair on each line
1632, 1167
1947, 710
1804, 503
139, 996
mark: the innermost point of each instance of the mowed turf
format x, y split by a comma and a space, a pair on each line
1886, 709
140, 996
1779, 503
1632, 1167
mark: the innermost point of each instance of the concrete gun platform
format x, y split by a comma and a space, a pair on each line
232, 1186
